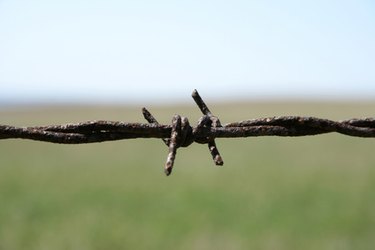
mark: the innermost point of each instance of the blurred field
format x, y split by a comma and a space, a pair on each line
272, 192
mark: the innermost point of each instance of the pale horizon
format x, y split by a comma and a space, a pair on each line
147, 52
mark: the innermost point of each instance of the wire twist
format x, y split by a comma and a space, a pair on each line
181, 134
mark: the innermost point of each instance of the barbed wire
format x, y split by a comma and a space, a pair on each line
181, 134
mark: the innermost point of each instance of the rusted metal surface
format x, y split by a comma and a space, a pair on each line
182, 134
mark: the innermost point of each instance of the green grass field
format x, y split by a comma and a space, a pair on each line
272, 192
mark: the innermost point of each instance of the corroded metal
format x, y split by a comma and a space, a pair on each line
182, 134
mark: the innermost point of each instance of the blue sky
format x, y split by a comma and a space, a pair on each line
140, 51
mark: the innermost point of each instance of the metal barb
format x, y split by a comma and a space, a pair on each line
174, 144
215, 122
182, 134
199, 101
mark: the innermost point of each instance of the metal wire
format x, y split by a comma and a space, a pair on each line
181, 134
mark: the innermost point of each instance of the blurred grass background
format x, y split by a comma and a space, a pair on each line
272, 192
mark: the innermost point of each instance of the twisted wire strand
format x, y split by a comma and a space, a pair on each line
182, 134
100, 131
300, 126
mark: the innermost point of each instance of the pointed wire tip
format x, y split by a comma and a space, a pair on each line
145, 113
167, 171
144, 110
169, 164
218, 161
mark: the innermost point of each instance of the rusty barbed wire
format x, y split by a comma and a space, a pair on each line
181, 134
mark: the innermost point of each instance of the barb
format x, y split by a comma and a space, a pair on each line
181, 134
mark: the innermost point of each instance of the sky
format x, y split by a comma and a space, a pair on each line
159, 51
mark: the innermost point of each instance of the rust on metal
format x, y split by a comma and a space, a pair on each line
182, 134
